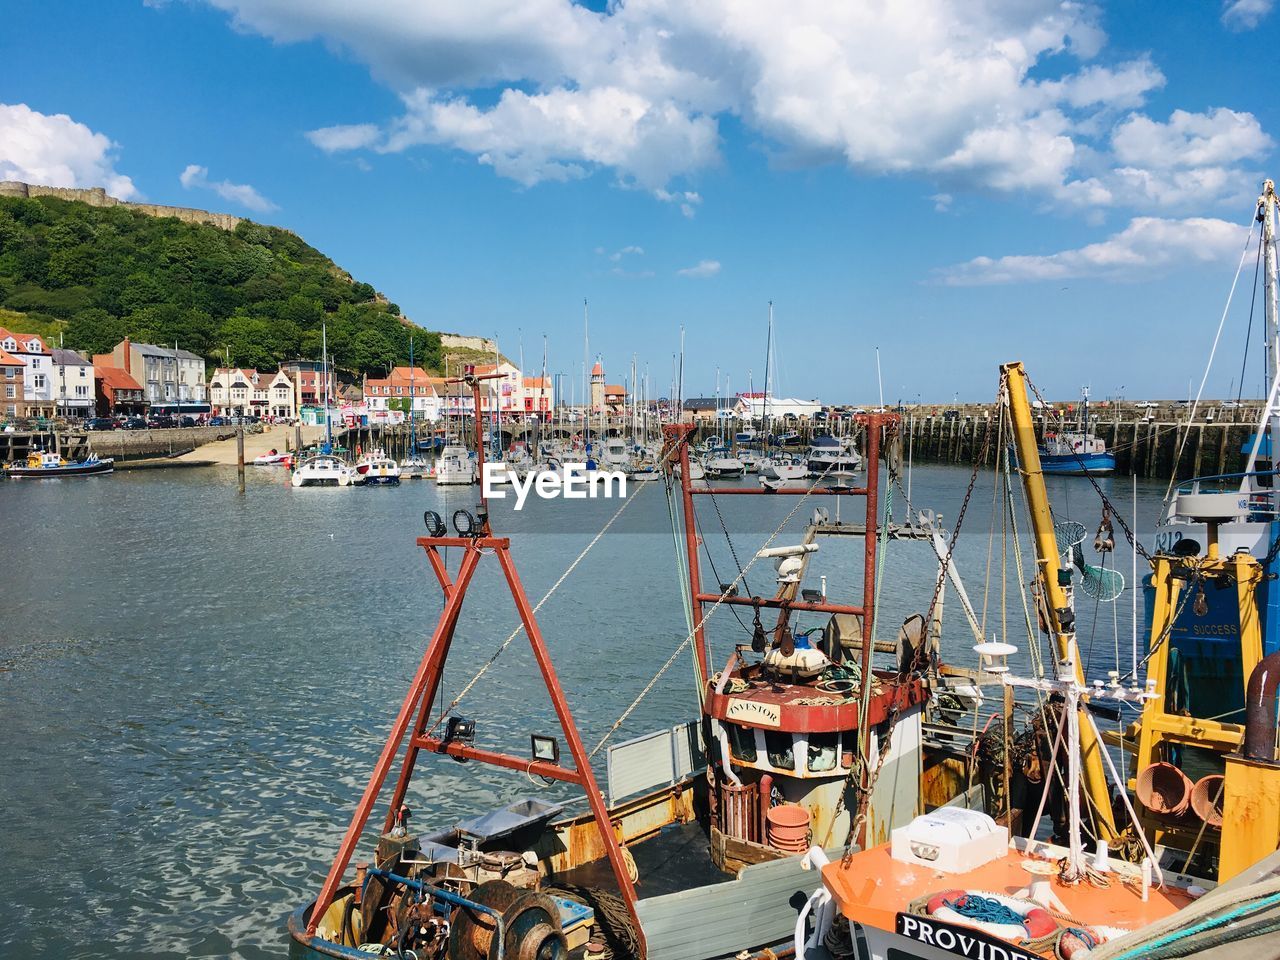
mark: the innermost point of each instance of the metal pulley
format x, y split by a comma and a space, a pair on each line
1104, 541
893, 452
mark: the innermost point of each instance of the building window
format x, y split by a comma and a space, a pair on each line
38, 381
82, 391
10, 392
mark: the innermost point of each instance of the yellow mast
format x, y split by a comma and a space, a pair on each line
1064, 636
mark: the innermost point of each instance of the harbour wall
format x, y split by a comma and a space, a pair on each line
1147, 448
120, 444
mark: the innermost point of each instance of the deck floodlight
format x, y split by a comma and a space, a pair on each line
465, 523
434, 523
546, 749
460, 730
812, 596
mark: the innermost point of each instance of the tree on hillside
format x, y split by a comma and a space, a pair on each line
104, 273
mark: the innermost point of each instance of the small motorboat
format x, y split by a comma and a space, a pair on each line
750, 460
273, 458
696, 470
323, 471
46, 466
725, 468
832, 457
783, 468
455, 466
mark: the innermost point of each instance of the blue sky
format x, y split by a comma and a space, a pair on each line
958, 183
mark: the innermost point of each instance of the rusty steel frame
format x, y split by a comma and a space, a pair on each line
679, 434
426, 683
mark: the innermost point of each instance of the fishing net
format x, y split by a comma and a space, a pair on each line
1098, 582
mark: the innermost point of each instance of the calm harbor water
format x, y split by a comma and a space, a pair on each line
194, 684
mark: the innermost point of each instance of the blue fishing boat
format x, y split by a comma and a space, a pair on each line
1078, 452
45, 465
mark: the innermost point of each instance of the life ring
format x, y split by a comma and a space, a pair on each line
1035, 923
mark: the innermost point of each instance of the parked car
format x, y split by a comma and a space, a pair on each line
187, 422
219, 421
100, 423
162, 421
134, 423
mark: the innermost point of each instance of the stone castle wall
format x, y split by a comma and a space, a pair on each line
98, 197
456, 341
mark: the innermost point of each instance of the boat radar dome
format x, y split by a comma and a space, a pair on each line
993, 654
787, 560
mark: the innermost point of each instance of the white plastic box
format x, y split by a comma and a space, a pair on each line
951, 839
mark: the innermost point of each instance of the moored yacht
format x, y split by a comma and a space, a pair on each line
454, 466
832, 457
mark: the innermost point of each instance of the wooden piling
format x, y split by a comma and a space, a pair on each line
240, 458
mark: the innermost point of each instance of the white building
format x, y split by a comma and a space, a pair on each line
73, 388
403, 389
37, 372
239, 392
755, 406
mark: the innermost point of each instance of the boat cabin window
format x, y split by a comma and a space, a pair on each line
822, 751
742, 743
780, 747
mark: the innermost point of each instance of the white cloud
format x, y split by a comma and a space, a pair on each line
626, 251
1146, 244
345, 137
196, 177
687, 199
1244, 14
942, 202
1218, 137
56, 151
700, 270
991, 95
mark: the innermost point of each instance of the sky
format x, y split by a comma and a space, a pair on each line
957, 183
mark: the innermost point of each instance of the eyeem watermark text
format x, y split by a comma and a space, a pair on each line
571, 481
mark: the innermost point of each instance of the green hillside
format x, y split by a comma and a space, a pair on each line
98, 274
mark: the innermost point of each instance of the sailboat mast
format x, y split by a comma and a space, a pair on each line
768, 383
1267, 211
324, 364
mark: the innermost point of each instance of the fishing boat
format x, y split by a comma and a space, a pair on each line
832, 457
454, 466
1076, 452
696, 852
750, 460
1143, 865
324, 470
46, 465
378, 470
